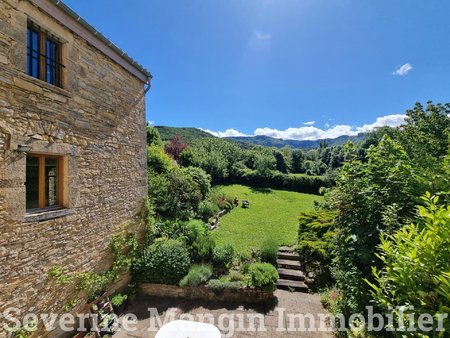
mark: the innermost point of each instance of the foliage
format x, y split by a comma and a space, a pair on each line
263, 276
118, 299
158, 161
198, 274
166, 261
273, 214
123, 247
416, 265
221, 198
153, 137
175, 147
269, 251
188, 134
92, 284
56, 272
217, 285
70, 304
200, 177
206, 210
223, 255
174, 195
147, 215
200, 243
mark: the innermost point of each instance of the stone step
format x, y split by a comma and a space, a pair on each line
295, 275
289, 284
288, 255
289, 264
285, 249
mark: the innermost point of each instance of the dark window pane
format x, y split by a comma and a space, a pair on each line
32, 182
32, 53
51, 56
51, 182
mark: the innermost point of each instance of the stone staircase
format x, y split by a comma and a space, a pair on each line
290, 270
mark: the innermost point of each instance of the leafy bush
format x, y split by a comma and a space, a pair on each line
223, 255
175, 195
166, 261
263, 276
221, 199
200, 242
198, 274
416, 268
217, 285
236, 276
171, 229
158, 161
200, 177
206, 210
118, 299
269, 251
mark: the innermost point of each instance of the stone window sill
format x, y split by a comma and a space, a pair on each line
45, 85
41, 215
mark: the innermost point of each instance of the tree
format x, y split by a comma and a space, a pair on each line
153, 137
298, 160
175, 147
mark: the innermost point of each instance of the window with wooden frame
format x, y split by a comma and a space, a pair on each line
44, 181
44, 58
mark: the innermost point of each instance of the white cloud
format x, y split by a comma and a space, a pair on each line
310, 123
150, 122
403, 70
261, 36
227, 133
313, 133
394, 120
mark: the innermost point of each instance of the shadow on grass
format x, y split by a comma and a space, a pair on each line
258, 190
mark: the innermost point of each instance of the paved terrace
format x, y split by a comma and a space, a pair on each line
230, 318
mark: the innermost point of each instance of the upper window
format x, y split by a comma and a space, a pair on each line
43, 56
43, 181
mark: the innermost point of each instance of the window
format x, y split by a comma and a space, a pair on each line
43, 56
44, 177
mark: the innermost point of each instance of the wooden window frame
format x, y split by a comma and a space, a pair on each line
42, 54
61, 179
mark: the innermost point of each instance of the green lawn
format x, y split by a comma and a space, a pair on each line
272, 214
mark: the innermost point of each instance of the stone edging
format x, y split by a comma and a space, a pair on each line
246, 295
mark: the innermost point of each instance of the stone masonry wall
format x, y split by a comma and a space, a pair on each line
98, 122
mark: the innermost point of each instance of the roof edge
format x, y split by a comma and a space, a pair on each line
74, 22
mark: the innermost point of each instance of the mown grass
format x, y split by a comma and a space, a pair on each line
272, 214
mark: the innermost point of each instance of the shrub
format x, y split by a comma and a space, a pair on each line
221, 199
416, 272
158, 161
222, 256
199, 241
166, 261
171, 229
206, 210
236, 276
217, 285
269, 251
198, 274
118, 299
263, 276
200, 177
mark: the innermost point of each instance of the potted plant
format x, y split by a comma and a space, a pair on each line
119, 302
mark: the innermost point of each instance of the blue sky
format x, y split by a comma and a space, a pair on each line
270, 66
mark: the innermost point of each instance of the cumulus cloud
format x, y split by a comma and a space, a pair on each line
313, 133
261, 36
227, 133
403, 70
310, 123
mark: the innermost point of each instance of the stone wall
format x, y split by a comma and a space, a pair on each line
241, 296
98, 122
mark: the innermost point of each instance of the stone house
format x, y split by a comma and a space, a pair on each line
72, 148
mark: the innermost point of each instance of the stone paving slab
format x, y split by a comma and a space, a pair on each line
283, 318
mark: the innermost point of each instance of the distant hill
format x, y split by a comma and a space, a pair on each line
268, 141
191, 134
187, 134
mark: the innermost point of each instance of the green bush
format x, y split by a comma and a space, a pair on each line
221, 199
206, 210
200, 242
171, 229
269, 251
236, 276
416, 266
200, 177
198, 274
118, 299
263, 276
217, 285
158, 161
166, 261
223, 255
